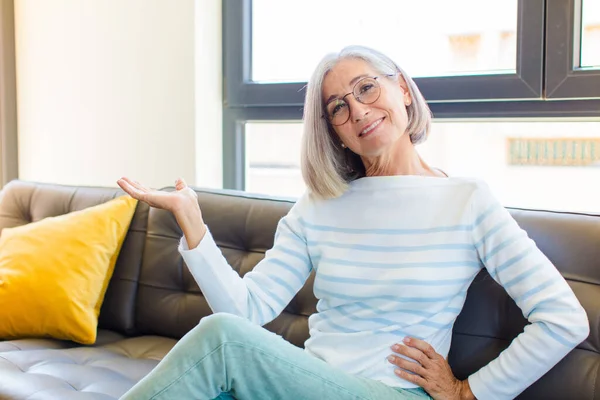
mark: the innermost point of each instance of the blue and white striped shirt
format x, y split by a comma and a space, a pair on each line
394, 257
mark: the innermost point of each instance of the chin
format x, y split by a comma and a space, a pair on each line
374, 150
377, 145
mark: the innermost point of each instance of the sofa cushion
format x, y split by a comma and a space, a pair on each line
104, 371
24, 202
54, 272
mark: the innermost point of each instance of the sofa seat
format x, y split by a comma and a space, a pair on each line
39, 369
103, 337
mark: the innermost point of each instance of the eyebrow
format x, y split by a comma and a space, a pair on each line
352, 82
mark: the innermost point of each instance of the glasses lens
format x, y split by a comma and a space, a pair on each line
337, 112
367, 91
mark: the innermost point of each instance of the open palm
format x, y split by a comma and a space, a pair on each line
180, 199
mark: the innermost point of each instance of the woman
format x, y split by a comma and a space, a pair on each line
395, 245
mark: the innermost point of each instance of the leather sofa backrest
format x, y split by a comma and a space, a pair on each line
169, 300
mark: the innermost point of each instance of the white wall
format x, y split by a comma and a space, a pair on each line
209, 94
106, 89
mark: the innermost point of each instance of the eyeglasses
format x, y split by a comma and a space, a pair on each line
365, 91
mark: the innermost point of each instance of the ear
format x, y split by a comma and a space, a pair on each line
406, 98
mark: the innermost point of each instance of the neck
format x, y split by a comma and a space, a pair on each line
401, 159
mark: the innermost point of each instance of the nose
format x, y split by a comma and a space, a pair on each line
358, 110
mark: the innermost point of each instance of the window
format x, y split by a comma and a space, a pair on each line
482, 41
273, 158
514, 86
590, 34
470, 56
530, 164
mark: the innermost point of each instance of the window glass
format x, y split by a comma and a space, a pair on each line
590, 33
426, 38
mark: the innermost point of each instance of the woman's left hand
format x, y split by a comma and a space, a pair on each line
431, 371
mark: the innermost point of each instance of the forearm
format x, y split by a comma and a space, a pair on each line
531, 355
263, 292
222, 287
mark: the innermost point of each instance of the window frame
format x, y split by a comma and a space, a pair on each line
234, 138
525, 83
564, 77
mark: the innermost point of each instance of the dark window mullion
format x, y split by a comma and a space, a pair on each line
234, 150
564, 78
234, 138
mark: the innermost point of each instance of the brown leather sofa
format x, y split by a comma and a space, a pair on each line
153, 300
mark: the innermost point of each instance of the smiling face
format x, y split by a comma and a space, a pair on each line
371, 129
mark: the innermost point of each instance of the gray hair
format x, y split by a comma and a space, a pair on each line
327, 168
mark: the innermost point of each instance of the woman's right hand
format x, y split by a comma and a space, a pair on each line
178, 201
183, 203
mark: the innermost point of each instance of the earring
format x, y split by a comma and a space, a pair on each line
343, 146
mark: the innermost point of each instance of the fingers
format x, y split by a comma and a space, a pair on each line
423, 346
126, 186
180, 184
431, 371
408, 365
413, 354
127, 183
137, 185
131, 188
414, 378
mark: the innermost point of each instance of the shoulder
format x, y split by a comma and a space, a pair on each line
309, 207
303, 205
310, 201
482, 200
476, 194
473, 186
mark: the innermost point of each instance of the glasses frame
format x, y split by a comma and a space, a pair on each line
343, 98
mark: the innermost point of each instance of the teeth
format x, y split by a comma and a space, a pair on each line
370, 128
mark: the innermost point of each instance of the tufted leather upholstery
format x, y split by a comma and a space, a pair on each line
152, 299
102, 371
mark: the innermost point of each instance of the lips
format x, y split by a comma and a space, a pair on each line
369, 128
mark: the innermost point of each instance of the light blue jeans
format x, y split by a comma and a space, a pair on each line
228, 357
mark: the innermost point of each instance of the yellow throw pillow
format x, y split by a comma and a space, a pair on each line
54, 272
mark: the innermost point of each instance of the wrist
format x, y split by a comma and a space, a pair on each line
192, 226
465, 391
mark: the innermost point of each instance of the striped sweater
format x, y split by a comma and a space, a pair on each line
394, 257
